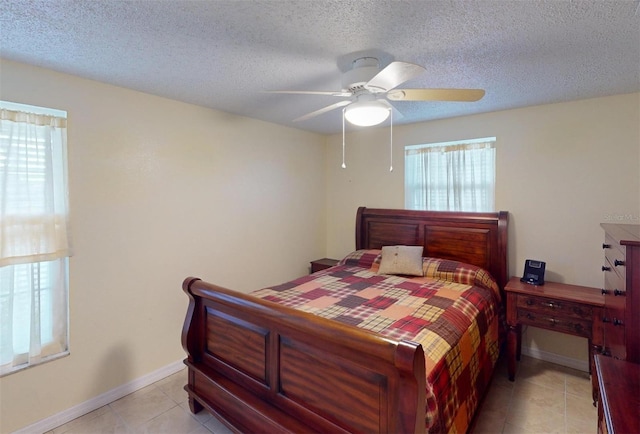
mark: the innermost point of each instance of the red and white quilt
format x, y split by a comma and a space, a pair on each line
453, 311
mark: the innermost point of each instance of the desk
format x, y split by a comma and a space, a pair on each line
570, 309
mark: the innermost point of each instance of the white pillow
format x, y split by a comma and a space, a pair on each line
405, 260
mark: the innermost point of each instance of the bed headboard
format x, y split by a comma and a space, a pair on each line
475, 238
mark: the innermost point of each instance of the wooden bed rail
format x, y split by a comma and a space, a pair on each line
263, 367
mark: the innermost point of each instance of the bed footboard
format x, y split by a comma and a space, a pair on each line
263, 367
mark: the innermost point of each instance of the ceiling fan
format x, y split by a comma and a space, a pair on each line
369, 90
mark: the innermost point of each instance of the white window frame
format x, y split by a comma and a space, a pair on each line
451, 176
38, 287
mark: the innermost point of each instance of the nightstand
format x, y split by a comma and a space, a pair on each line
570, 309
321, 264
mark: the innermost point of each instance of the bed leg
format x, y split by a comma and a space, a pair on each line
194, 405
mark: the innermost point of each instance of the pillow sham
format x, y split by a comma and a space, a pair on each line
405, 260
361, 258
459, 272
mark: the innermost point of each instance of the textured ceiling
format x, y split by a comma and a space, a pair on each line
222, 54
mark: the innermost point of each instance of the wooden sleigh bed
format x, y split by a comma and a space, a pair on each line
264, 367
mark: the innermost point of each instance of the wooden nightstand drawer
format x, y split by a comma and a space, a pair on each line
563, 324
555, 308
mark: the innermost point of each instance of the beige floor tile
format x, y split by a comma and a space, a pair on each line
580, 410
175, 420
515, 429
202, 416
81, 420
108, 422
537, 408
497, 401
531, 396
501, 375
488, 424
201, 430
582, 426
217, 427
535, 420
142, 406
579, 384
173, 386
542, 374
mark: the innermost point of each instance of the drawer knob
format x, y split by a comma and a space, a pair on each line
617, 292
606, 246
605, 291
618, 263
606, 268
617, 322
551, 305
606, 320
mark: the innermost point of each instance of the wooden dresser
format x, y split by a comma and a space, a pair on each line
621, 315
619, 400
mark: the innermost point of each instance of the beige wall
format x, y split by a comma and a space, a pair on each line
562, 169
160, 190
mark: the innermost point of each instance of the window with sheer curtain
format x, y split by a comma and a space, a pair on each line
452, 176
34, 241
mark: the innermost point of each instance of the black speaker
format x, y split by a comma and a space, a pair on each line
533, 272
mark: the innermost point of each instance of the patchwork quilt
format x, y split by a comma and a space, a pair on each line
453, 311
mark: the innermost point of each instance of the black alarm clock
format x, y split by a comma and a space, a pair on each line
533, 272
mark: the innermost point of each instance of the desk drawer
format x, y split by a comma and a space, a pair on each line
554, 308
555, 322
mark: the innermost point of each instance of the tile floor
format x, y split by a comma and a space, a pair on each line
545, 398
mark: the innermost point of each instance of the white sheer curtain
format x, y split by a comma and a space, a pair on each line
34, 239
458, 176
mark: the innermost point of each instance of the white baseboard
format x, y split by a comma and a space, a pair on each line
580, 365
83, 408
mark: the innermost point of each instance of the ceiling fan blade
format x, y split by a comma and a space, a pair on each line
394, 75
309, 92
469, 95
322, 110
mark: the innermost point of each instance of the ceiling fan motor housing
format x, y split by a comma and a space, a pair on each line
364, 69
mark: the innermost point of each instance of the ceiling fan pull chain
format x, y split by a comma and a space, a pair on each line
344, 166
391, 141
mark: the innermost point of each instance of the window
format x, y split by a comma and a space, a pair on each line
34, 243
451, 176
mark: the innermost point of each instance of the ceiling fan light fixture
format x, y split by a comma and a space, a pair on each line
366, 113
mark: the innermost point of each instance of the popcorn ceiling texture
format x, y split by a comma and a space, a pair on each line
221, 54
